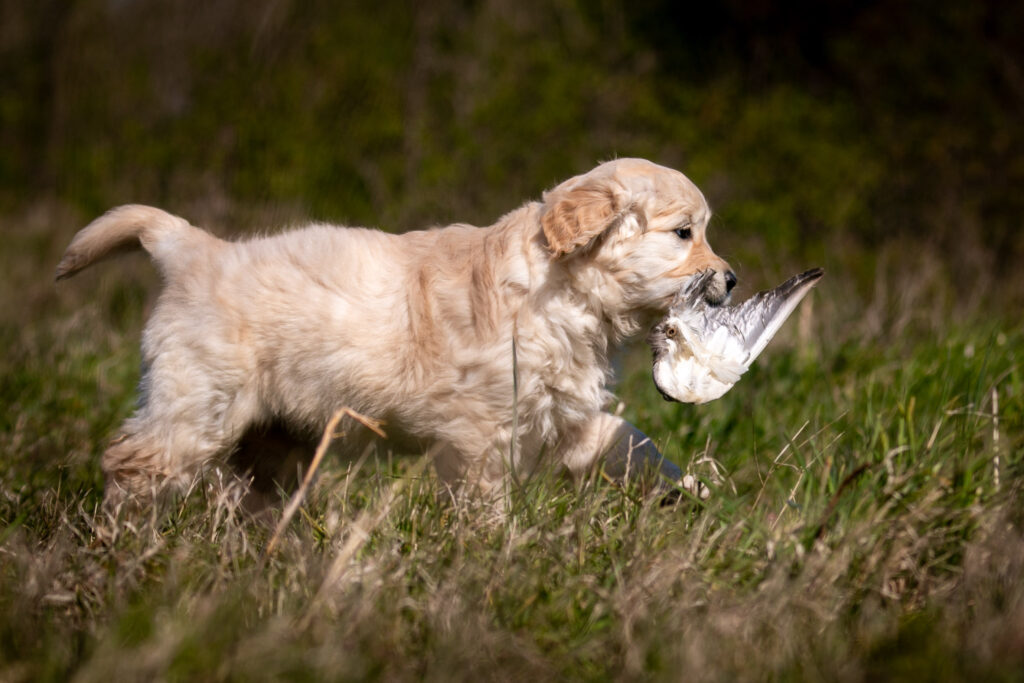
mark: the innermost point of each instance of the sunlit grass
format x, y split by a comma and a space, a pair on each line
865, 522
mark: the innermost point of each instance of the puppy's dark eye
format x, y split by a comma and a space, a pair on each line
684, 233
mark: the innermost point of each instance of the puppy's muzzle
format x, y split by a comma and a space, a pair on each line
718, 288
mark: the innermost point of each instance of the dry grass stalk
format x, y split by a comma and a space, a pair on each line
995, 438
321, 450
360, 533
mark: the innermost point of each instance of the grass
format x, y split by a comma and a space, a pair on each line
867, 524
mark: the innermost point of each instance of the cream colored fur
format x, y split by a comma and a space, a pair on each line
415, 329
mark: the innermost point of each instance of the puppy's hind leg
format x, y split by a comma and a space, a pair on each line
176, 432
133, 470
144, 466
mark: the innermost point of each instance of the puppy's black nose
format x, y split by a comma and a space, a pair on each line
730, 280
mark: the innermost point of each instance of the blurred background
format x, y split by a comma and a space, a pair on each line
881, 140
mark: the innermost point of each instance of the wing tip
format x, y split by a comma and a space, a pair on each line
811, 275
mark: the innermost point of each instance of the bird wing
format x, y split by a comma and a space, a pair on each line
717, 346
758, 318
719, 343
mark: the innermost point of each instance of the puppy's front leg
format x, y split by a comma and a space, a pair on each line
626, 453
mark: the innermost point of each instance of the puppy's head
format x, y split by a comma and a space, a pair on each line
633, 233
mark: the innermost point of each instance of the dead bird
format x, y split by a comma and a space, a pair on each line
701, 351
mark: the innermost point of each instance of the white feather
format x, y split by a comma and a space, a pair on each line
710, 347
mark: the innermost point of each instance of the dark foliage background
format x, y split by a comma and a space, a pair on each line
869, 522
841, 132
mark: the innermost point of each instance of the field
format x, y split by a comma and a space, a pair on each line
867, 517
866, 522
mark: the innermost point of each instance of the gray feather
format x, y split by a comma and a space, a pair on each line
713, 345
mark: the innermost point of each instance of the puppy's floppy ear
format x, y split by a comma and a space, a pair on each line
574, 216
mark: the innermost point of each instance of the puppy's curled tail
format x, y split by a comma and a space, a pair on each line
167, 238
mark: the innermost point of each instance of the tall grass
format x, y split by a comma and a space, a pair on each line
866, 522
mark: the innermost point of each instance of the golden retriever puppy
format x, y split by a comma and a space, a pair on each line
416, 330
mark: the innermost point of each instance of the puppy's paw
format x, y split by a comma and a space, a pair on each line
695, 487
692, 485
